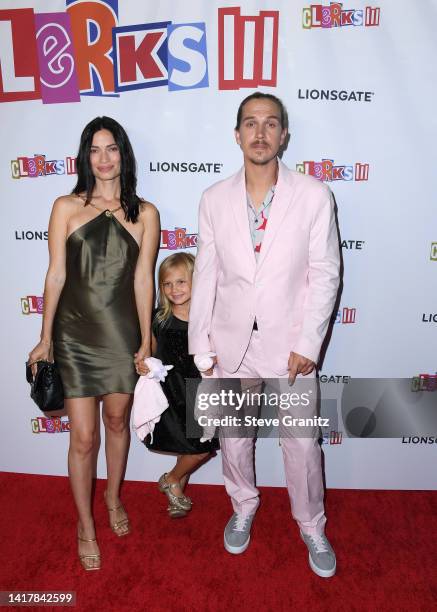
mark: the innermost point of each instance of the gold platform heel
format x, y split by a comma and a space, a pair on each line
176, 512
181, 502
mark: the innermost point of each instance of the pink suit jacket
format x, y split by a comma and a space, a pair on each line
292, 288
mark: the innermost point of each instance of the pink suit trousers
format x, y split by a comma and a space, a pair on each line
302, 457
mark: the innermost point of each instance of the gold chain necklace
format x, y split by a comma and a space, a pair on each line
107, 212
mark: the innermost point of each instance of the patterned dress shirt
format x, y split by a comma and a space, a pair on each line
258, 219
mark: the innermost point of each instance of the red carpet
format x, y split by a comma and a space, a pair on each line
384, 540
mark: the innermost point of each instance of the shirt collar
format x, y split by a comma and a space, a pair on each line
266, 202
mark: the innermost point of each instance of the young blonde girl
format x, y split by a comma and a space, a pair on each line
170, 344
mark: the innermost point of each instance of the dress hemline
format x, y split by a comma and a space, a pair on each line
97, 394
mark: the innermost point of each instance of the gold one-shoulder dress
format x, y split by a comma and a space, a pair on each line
96, 327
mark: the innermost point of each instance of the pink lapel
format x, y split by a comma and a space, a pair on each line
239, 208
280, 204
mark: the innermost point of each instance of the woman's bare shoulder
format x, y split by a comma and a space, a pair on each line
68, 203
148, 210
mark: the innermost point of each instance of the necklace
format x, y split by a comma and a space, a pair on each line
264, 205
107, 212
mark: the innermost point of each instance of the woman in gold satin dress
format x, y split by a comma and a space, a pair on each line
98, 297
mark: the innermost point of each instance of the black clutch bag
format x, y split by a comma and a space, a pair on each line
46, 388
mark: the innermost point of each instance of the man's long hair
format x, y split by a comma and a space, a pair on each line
86, 180
260, 95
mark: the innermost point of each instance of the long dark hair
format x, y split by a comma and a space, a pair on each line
86, 181
260, 95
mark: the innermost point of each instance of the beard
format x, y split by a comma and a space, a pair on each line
268, 156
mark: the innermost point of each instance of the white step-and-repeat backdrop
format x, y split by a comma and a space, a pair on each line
359, 82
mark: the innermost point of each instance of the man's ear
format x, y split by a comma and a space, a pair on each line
237, 137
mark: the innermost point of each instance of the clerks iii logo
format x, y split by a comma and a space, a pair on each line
326, 170
50, 425
424, 382
345, 315
57, 57
177, 239
335, 16
39, 165
332, 437
32, 304
186, 167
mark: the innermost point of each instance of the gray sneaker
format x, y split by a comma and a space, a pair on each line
321, 555
237, 533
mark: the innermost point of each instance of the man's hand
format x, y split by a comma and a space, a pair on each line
211, 370
205, 362
298, 364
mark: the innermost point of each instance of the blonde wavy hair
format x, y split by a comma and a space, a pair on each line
185, 260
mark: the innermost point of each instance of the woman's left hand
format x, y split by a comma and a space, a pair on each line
139, 358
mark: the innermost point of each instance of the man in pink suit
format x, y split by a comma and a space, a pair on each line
264, 286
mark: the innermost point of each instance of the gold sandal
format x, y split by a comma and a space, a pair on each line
176, 512
179, 501
82, 558
118, 526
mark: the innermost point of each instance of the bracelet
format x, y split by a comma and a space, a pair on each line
46, 343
